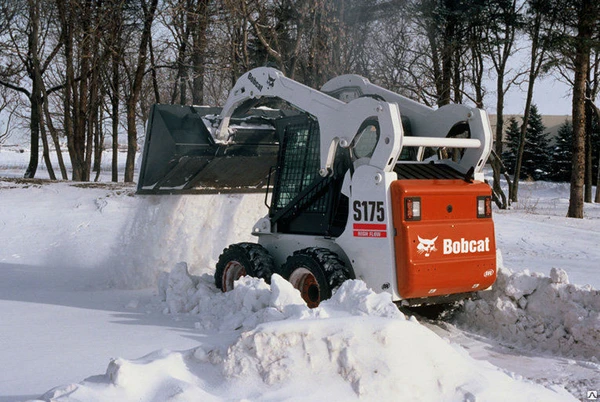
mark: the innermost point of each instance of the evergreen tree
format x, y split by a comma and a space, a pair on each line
562, 154
536, 156
513, 131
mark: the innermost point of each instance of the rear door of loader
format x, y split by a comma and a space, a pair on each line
445, 241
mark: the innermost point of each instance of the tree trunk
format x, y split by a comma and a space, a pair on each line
537, 56
582, 59
72, 107
66, 35
496, 162
46, 148
115, 118
596, 113
153, 73
98, 143
131, 139
447, 53
597, 198
54, 136
116, 45
198, 29
35, 98
522, 139
136, 87
436, 63
83, 106
93, 146
589, 173
498, 168
34, 127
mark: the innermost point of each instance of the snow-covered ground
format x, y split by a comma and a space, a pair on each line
88, 311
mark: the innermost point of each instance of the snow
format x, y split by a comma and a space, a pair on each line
14, 160
168, 229
105, 295
536, 311
284, 350
536, 234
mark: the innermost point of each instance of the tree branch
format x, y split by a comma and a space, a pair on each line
15, 88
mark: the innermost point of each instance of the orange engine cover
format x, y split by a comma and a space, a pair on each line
449, 249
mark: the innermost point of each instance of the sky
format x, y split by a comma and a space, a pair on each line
552, 97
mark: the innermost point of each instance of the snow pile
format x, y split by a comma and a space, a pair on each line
539, 312
355, 346
159, 376
253, 302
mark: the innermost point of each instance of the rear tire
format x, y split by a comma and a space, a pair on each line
240, 260
315, 272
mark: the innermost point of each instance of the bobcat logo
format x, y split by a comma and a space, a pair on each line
426, 246
270, 82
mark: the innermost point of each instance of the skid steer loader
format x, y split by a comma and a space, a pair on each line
360, 182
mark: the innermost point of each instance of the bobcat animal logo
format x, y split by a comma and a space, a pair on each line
426, 246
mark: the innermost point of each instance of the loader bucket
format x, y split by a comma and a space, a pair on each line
181, 156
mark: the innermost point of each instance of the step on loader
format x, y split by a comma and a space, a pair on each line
360, 182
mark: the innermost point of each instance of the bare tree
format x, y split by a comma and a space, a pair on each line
28, 27
541, 27
587, 19
135, 72
115, 49
82, 25
8, 106
502, 22
188, 21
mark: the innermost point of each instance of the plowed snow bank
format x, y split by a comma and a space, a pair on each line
355, 345
539, 312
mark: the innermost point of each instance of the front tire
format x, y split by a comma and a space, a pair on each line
315, 272
240, 260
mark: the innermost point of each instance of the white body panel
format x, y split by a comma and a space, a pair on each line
371, 251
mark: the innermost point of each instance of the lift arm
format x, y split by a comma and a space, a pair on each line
339, 121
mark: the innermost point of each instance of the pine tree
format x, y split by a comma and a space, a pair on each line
536, 156
513, 132
562, 154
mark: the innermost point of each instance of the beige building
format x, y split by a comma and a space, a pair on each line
551, 122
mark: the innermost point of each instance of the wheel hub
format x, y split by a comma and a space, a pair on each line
304, 280
232, 272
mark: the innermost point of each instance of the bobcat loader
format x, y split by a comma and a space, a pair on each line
360, 182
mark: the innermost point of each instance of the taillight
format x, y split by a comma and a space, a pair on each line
484, 207
412, 208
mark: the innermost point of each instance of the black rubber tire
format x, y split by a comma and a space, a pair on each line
316, 273
243, 259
